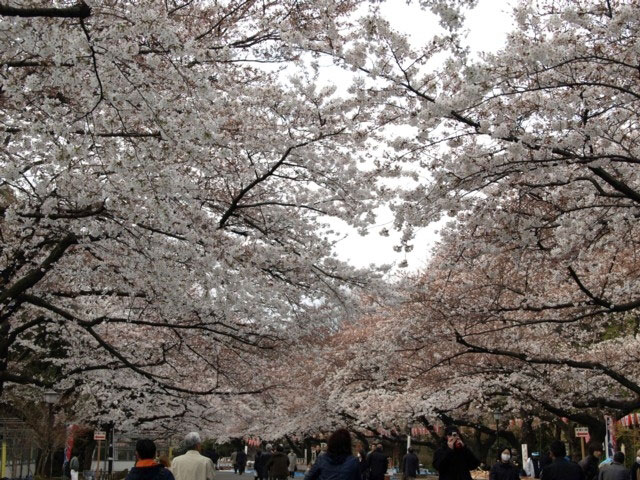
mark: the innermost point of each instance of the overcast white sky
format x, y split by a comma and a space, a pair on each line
488, 26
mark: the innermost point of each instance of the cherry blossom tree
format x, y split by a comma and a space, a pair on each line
529, 303
169, 173
165, 196
532, 151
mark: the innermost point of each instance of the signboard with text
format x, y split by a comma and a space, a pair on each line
99, 435
582, 432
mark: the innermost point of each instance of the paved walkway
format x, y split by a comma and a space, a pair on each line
229, 475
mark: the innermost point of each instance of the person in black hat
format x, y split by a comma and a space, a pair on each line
453, 460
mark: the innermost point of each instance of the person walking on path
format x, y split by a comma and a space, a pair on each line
293, 460
615, 470
278, 465
234, 460
213, 455
264, 461
590, 463
337, 463
257, 464
378, 463
560, 468
364, 467
453, 460
241, 460
635, 469
410, 465
504, 469
146, 468
192, 465
74, 467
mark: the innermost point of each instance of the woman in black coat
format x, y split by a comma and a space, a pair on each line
453, 460
504, 469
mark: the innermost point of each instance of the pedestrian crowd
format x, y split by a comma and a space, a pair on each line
334, 461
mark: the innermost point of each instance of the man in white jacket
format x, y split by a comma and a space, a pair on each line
192, 465
532, 465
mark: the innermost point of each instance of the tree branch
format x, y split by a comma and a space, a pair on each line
35, 275
526, 358
80, 10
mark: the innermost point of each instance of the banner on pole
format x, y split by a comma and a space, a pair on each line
610, 436
68, 445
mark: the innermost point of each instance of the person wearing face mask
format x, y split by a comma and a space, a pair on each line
635, 469
504, 469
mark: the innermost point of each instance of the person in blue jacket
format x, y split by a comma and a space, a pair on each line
338, 463
146, 467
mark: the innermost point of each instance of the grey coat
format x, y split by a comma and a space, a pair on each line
614, 471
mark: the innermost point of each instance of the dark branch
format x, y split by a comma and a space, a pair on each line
623, 307
80, 10
35, 275
526, 358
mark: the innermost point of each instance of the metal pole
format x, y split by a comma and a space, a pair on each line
98, 462
31, 458
51, 440
4, 458
22, 448
111, 442
497, 435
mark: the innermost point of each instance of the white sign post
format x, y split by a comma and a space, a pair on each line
99, 436
582, 433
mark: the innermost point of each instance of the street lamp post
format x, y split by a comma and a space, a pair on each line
51, 397
497, 415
